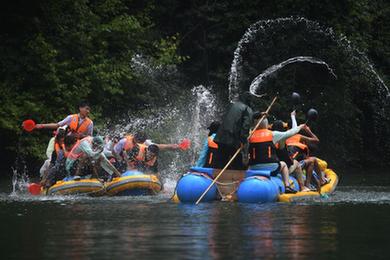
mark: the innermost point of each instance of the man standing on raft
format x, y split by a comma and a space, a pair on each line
79, 124
233, 132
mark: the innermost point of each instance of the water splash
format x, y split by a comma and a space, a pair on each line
20, 181
298, 25
254, 87
185, 118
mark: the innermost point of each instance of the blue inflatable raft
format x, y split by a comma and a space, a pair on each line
251, 186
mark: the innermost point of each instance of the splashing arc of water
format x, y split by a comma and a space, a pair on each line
254, 87
312, 26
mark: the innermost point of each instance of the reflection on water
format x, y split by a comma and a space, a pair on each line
352, 222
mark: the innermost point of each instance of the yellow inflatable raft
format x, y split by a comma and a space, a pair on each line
133, 183
76, 187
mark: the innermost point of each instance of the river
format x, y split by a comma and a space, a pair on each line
352, 223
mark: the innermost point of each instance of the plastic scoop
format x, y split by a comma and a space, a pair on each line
34, 188
28, 125
185, 144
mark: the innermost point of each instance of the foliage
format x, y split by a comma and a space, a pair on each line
131, 54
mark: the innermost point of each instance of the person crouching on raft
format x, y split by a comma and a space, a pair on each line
57, 170
262, 150
281, 151
298, 148
79, 124
87, 156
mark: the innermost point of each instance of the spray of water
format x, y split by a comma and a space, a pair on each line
186, 119
266, 27
255, 85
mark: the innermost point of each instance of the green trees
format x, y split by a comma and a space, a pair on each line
60, 52
119, 54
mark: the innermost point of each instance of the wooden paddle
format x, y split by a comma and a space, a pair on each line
236, 153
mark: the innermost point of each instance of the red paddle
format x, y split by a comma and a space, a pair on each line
34, 188
28, 125
185, 144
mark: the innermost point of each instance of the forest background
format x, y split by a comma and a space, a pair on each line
55, 53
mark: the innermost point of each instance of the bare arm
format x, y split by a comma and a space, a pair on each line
47, 126
312, 138
293, 120
168, 146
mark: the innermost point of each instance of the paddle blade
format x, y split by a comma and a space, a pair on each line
185, 144
295, 97
312, 114
34, 188
28, 125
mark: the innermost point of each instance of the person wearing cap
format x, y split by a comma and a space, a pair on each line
210, 148
87, 156
79, 124
233, 132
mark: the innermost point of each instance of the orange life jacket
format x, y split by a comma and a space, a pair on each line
211, 152
82, 128
296, 148
140, 157
58, 148
76, 153
262, 148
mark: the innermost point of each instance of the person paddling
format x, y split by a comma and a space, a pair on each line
79, 124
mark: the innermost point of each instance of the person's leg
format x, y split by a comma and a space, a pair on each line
284, 172
318, 171
296, 168
222, 158
309, 171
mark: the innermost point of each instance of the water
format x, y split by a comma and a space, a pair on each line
351, 223
254, 46
255, 85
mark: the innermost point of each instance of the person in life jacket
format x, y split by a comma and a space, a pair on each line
262, 150
281, 151
147, 160
210, 148
57, 171
127, 145
298, 147
87, 157
78, 124
54, 150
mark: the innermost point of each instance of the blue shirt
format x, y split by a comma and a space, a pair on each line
203, 154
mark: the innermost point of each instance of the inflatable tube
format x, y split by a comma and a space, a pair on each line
192, 185
134, 183
257, 190
69, 186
